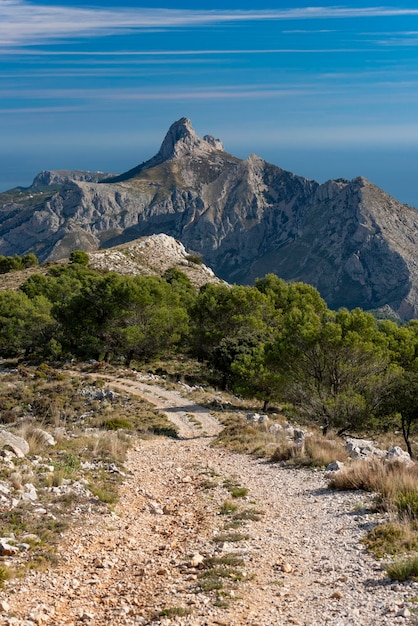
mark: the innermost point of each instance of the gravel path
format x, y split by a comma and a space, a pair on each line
302, 560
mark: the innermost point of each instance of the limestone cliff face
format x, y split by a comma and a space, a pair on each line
350, 239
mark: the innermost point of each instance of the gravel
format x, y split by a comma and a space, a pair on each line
303, 560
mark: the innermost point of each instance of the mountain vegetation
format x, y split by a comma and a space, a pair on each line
275, 341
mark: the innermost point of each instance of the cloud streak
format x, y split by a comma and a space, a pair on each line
23, 22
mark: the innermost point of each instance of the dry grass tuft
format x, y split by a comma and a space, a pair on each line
317, 452
396, 486
403, 569
392, 538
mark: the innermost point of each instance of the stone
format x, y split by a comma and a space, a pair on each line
196, 560
39, 617
18, 445
4, 606
163, 571
362, 448
335, 466
44, 437
30, 494
4, 489
397, 454
263, 418
155, 508
7, 550
337, 595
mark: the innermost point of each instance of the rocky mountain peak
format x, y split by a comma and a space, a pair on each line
181, 140
246, 218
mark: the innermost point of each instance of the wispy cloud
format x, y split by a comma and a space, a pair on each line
128, 95
23, 22
351, 88
171, 53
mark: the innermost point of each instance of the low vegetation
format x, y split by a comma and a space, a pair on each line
396, 489
219, 575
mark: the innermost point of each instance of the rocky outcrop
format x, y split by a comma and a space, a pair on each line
153, 256
246, 218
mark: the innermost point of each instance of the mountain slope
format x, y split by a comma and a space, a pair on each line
350, 239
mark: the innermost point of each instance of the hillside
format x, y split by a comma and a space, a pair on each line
246, 218
147, 256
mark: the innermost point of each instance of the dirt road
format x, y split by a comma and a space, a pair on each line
181, 549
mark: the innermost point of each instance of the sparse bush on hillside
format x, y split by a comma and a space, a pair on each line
80, 257
395, 483
15, 263
194, 258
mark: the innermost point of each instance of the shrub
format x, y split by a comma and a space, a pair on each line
105, 494
195, 258
117, 423
395, 483
403, 569
391, 538
228, 508
174, 611
4, 575
317, 452
321, 451
365, 475
79, 257
285, 451
407, 504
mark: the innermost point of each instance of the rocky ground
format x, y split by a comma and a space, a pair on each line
201, 536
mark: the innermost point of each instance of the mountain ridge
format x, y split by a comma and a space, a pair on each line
246, 217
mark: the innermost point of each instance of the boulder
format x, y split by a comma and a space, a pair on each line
335, 466
397, 454
362, 449
257, 418
44, 437
17, 445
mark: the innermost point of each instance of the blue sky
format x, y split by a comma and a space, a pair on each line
325, 89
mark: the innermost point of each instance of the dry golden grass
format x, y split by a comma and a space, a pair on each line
248, 439
318, 451
394, 482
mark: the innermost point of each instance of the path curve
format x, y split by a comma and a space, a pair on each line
303, 561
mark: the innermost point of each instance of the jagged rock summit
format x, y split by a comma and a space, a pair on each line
180, 141
350, 239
